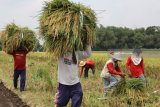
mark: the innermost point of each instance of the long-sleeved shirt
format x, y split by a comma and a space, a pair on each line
110, 68
135, 70
113, 69
89, 64
67, 70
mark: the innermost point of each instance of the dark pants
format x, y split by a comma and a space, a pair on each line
66, 92
86, 72
22, 73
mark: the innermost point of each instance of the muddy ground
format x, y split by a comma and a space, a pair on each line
9, 99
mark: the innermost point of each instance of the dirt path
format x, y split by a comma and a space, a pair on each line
9, 99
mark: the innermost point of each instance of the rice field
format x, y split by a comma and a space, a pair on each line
42, 81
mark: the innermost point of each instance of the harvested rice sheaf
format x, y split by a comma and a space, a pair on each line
120, 88
136, 84
125, 86
67, 26
15, 38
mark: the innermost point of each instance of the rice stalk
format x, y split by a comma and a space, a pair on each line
120, 88
15, 38
67, 26
128, 86
136, 84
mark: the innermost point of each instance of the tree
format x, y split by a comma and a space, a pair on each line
117, 38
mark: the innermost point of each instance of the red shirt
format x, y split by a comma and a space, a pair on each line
89, 64
135, 70
112, 70
19, 60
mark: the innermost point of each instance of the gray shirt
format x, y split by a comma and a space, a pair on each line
67, 70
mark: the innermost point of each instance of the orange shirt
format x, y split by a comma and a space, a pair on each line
90, 64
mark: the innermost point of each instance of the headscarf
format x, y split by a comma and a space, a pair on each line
135, 57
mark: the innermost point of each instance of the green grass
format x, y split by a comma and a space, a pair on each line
42, 82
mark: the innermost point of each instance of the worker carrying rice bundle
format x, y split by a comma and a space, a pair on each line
17, 42
69, 32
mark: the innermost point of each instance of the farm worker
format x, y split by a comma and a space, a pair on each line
69, 86
19, 68
135, 64
110, 72
89, 64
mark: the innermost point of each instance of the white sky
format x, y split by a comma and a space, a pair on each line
124, 13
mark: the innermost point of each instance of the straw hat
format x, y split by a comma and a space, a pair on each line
82, 63
117, 56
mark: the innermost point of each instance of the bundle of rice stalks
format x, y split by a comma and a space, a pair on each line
120, 88
136, 84
67, 26
126, 86
15, 38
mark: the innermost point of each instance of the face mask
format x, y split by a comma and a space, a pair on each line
136, 59
136, 54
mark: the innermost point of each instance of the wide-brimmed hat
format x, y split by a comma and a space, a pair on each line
117, 56
82, 63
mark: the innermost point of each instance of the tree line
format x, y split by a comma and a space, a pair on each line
125, 38
112, 37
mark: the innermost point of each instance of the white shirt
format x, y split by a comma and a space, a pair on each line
67, 70
105, 72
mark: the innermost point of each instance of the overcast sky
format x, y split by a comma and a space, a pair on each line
124, 13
